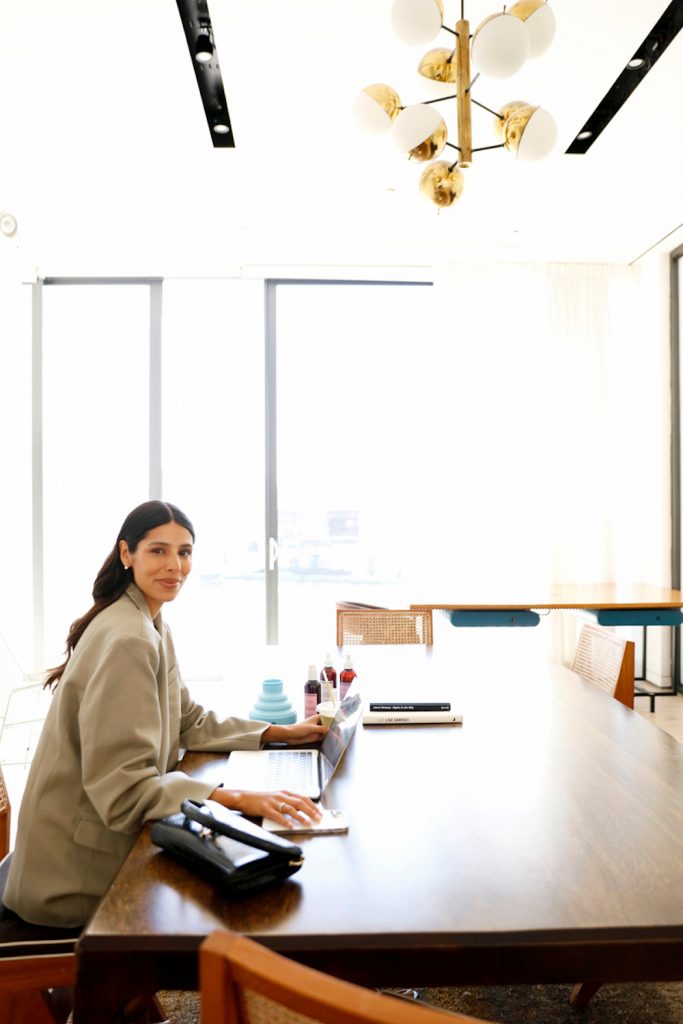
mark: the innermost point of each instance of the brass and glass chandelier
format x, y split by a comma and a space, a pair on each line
498, 48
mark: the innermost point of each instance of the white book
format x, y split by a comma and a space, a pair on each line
411, 718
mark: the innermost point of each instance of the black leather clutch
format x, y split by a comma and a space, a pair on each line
231, 852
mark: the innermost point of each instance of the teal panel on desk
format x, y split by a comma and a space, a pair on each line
638, 616
494, 617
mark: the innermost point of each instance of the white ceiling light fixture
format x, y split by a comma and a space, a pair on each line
529, 133
377, 107
539, 19
420, 132
498, 48
417, 21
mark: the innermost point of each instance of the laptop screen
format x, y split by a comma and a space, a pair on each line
339, 736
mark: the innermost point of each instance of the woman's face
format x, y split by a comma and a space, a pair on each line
160, 563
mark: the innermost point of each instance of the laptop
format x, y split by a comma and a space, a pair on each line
306, 772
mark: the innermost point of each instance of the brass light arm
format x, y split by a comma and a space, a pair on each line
463, 79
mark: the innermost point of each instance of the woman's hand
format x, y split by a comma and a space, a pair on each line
280, 806
308, 731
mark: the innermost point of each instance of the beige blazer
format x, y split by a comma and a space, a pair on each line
106, 763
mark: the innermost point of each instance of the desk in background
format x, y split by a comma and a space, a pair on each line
517, 848
607, 604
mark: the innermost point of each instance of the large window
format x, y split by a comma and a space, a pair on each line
154, 390
389, 442
213, 461
356, 461
95, 437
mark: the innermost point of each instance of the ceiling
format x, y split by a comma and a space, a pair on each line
108, 165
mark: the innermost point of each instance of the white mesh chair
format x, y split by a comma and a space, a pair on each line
607, 661
23, 706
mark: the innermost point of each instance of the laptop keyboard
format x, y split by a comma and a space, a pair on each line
290, 768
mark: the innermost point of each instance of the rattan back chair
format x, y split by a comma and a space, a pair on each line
242, 982
383, 626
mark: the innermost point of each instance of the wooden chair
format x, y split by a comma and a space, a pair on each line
606, 660
5, 818
37, 964
242, 982
357, 625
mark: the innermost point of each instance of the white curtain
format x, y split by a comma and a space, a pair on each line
554, 462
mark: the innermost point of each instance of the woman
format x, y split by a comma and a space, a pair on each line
107, 756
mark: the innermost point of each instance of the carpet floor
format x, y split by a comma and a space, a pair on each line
520, 1004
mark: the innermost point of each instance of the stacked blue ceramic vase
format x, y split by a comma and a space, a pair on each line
273, 705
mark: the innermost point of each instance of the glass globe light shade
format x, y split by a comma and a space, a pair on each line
529, 133
376, 107
417, 21
505, 114
442, 183
438, 65
540, 23
420, 132
500, 46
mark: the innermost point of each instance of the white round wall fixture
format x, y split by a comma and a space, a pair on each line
8, 224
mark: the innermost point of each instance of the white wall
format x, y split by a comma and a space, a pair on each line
16, 610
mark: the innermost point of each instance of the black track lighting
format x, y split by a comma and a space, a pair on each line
203, 48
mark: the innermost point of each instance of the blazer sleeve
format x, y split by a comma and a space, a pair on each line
120, 726
204, 730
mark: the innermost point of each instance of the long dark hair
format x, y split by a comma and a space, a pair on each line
113, 578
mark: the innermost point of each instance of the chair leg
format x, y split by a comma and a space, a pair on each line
582, 993
60, 1002
145, 1010
411, 994
157, 1015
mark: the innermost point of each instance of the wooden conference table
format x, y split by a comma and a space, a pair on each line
541, 841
